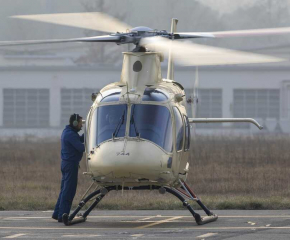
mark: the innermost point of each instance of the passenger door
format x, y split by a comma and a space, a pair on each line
185, 156
179, 138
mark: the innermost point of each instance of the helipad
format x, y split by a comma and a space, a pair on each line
232, 224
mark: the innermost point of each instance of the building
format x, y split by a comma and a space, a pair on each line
40, 92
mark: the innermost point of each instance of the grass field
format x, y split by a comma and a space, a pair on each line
227, 172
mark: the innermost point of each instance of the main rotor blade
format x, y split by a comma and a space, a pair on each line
189, 54
238, 33
106, 38
90, 20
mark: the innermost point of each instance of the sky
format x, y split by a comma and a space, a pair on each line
225, 6
151, 13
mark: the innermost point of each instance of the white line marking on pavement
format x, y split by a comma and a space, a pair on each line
81, 236
144, 219
14, 219
268, 225
207, 235
137, 235
159, 216
26, 217
158, 222
164, 228
252, 223
15, 235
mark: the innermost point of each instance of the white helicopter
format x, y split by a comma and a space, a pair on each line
137, 133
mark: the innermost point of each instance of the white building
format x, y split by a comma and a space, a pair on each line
41, 92
40, 88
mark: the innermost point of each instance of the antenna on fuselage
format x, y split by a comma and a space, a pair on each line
170, 70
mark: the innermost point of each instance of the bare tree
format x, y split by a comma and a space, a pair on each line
100, 53
262, 14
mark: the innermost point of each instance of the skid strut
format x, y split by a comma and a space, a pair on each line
100, 194
211, 217
71, 219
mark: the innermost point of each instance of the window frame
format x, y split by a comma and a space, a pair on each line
171, 123
181, 116
186, 143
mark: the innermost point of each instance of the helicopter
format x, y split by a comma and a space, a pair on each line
137, 131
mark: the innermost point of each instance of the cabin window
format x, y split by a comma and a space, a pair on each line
187, 134
111, 96
152, 122
179, 129
111, 120
154, 95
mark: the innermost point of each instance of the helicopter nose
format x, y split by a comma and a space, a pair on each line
139, 159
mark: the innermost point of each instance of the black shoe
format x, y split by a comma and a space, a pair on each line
56, 218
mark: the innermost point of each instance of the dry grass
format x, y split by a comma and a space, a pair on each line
253, 166
227, 173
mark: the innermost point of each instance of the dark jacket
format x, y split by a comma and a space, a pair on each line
72, 146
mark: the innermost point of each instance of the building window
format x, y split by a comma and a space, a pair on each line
25, 108
75, 101
256, 103
209, 106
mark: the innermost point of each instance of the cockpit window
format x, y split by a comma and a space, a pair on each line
187, 134
152, 122
154, 94
179, 129
111, 120
112, 96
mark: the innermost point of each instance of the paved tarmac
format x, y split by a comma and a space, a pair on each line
232, 224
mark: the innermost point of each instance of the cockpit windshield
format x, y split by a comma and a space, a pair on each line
152, 122
111, 121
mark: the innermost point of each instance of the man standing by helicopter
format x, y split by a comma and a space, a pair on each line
72, 148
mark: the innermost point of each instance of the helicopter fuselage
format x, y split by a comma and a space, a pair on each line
137, 131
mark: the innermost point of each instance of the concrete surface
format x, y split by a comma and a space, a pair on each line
232, 224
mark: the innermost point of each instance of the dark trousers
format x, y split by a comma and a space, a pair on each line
68, 188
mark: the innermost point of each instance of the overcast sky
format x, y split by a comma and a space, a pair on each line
224, 6
152, 13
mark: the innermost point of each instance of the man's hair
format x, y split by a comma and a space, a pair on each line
73, 117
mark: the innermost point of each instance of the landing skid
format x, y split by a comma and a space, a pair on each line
180, 194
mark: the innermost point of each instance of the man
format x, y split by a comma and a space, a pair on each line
72, 149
